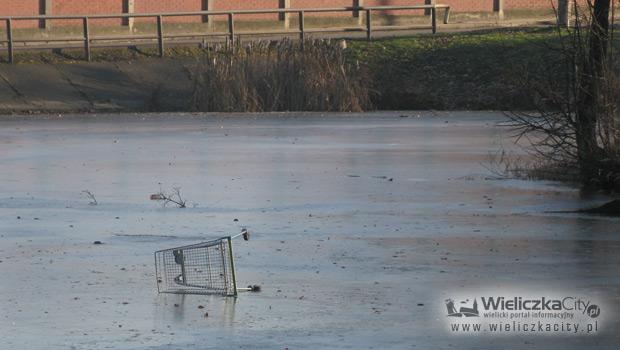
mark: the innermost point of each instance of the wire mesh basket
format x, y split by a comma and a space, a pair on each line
203, 268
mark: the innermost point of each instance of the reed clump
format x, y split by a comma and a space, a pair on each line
282, 76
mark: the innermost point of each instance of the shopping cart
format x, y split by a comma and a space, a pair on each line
203, 268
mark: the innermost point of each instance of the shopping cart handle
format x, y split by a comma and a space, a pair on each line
245, 233
254, 288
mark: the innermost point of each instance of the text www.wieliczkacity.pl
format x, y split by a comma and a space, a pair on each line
526, 327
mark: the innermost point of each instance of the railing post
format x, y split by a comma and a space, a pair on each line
160, 35
284, 16
446, 15
86, 39
357, 14
231, 28
565, 8
207, 5
129, 7
369, 25
498, 8
302, 29
434, 19
9, 38
428, 12
45, 8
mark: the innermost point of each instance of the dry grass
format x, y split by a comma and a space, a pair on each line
507, 165
264, 76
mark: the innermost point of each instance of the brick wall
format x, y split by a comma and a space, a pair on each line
529, 4
248, 5
62, 7
77, 7
20, 8
81, 7
324, 3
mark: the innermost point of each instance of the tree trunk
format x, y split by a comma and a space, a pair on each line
593, 72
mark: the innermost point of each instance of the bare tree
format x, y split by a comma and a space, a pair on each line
592, 75
576, 122
174, 197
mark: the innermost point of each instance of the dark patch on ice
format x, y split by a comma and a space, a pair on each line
608, 209
146, 238
611, 209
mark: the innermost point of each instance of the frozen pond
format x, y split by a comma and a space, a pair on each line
363, 225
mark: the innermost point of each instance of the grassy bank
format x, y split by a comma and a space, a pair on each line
476, 71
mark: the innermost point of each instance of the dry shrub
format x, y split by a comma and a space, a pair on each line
577, 108
509, 165
265, 76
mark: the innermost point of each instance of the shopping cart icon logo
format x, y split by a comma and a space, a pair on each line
465, 308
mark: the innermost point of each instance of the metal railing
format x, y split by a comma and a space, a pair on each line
88, 41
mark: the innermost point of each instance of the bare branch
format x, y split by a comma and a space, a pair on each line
174, 197
91, 196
